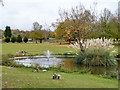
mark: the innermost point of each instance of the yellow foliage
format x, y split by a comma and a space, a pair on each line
82, 37
71, 27
85, 28
55, 33
67, 28
76, 28
76, 31
68, 32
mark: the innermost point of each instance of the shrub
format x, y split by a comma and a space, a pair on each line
94, 52
7, 39
6, 61
25, 39
27, 66
32, 67
82, 71
10, 55
13, 39
93, 43
95, 57
19, 39
109, 75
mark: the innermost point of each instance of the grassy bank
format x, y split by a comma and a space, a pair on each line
25, 78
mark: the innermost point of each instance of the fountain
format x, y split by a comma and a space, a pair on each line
48, 53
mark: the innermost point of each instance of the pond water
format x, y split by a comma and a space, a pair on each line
66, 63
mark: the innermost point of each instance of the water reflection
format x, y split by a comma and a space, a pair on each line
70, 65
67, 63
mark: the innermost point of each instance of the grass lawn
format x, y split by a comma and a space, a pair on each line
33, 48
25, 78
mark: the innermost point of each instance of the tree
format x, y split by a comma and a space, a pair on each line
104, 23
37, 33
25, 39
114, 27
108, 25
8, 32
13, 39
37, 26
7, 39
19, 39
78, 23
60, 31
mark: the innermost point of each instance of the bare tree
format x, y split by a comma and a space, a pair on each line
36, 26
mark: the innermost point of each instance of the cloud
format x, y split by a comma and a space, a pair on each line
20, 14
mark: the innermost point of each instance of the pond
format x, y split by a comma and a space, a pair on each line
66, 63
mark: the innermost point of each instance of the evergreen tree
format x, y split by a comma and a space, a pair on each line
8, 32
25, 39
13, 39
7, 39
19, 39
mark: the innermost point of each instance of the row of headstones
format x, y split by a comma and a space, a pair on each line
56, 76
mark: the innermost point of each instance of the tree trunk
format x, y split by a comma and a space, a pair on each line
36, 40
69, 41
40, 40
60, 42
117, 39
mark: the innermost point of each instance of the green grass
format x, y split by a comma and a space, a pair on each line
116, 48
33, 48
25, 78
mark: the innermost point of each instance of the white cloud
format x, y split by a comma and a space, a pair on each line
20, 14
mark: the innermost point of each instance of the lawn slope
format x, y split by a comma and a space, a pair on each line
25, 78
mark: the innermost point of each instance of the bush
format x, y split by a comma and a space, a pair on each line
25, 39
19, 39
10, 55
13, 39
7, 39
95, 57
32, 67
6, 61
108, 75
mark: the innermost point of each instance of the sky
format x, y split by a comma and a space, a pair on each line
21, 14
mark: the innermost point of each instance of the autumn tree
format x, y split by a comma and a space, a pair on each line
60, 31
51, 34
78, 23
